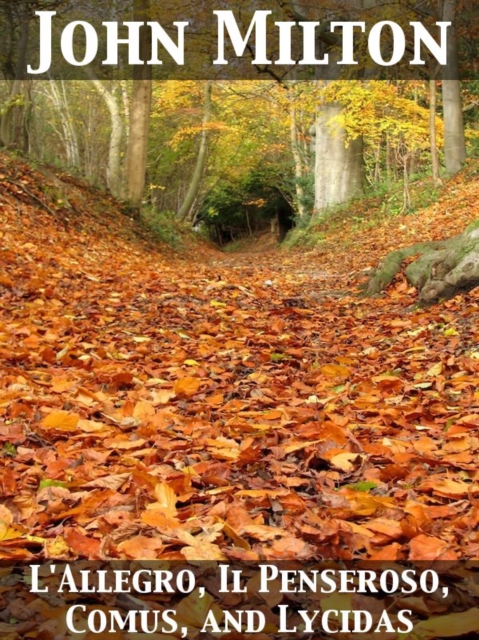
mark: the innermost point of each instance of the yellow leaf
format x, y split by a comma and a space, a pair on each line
338, 602
344, 461
261, 493
35, 539
91, 426
6, 516
451, 332
160, 521
450, 626
274, 414
163, 396
192, 610
192, 363
56, 548
335, 371
435, 371
10, 532
215, 400
61, 354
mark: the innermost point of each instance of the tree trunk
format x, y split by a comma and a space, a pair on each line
15, 102
195, 183
27, 118
339, 163
454, 138
441, 270
298, 161
377, 165
138, 143
10, 135
432, 131
140, 108
113, 172
57, 93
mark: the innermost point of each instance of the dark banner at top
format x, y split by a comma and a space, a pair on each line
211, 39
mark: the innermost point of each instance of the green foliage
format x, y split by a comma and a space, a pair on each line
237, 246
17, 100
8, 450
307, 185
382, 200
423, 193
278, 357
51, 483
306, 237
253, 195
164, 227
363, 487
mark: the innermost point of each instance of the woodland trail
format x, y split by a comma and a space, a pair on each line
224, 406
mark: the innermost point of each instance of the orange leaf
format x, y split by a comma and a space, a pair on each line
61, 420
187, 386
141, 548
263, 532
143, 410
166, 500
425, 547
204, 551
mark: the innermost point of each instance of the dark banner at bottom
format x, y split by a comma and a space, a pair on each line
171, 600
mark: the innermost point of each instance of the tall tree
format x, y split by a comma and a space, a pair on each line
114, 169
454, 138
338, 170
140, 108
432, 131
338, 162
186, 208
299, 169
15, 18
57, 93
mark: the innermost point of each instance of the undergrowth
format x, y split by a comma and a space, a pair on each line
381, 202
164, 227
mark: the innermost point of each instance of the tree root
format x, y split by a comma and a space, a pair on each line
391, 265
441, 270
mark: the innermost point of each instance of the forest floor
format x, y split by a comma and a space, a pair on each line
239, 407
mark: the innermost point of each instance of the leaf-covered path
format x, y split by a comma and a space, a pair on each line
226, 406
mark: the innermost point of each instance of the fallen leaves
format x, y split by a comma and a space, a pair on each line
141, 419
